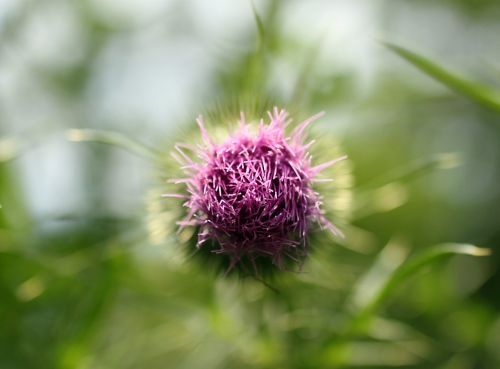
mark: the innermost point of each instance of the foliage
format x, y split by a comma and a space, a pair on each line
106, 283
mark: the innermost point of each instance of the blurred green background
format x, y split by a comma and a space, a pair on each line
82, 282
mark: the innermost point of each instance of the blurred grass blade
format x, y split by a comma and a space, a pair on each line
380, 200
407, 269
392, 256
482, 94
417, 263
305, 72
415, 169
112, 138
389, 191
259, 23
13, 213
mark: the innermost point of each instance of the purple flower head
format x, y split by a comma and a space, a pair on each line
253, 194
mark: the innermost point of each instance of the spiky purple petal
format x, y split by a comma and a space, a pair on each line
253, 194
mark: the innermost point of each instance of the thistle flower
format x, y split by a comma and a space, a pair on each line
252, 196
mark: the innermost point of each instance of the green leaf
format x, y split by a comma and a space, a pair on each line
403, 272
112, 138
388, 191
259, 23
415, 169
305, 72
481, 94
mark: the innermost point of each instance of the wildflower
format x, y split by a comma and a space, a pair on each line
252, 196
